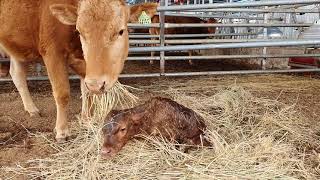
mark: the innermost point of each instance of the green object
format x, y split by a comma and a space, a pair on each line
144, 18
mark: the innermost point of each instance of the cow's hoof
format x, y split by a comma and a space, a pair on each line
151, 62
191, 62
35, 114
62, 136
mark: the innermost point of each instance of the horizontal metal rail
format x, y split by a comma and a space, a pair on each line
251, 10
172, 25
145, 36
236, 5
227, 45
168, 58
239, 56
220, 16
204, 41
177, 74
239, 72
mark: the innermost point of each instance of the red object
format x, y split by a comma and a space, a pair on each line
309, 61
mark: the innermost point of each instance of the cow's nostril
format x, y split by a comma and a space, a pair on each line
102, 87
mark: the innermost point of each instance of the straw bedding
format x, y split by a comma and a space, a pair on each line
253, 138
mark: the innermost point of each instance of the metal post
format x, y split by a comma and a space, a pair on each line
265, 37
162, 37
38, 69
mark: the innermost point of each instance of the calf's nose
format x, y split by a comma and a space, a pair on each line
106, 151
95, 86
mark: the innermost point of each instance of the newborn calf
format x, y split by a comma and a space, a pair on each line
157, 117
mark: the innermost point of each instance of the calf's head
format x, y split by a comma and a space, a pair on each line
120, 127
104, 37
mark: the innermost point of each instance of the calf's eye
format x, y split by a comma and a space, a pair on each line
122, 129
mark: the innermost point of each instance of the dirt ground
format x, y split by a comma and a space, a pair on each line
18, 145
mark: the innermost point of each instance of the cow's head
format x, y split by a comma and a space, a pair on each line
104, 37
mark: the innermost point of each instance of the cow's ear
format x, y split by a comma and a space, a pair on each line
65, 13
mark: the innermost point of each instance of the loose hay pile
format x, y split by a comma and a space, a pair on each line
253, 138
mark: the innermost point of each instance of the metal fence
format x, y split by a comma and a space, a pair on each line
240, 28
241, 25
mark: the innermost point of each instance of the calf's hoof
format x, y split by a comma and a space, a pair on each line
62, 135
151, 62
191, 62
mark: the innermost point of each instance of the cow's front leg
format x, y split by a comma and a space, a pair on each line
58, 74
19, 78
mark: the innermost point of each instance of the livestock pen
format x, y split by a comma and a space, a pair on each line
261, 126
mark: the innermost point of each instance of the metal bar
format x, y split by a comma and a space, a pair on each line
145, 36
75, 77
45, 78
236, 5
172, 25
251, 10
265, 37
218, 16
168, 58
239, 56
204, 41
227, 45
143, 58
242, 72
162, 37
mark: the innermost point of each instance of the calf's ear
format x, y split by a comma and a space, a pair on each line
137, 115
65, 13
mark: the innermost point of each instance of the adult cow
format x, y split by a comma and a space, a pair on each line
45, 29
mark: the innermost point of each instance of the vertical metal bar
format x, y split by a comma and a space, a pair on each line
162, 37
265, 36
38, 69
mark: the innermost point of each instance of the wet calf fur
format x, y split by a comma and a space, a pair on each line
157, 117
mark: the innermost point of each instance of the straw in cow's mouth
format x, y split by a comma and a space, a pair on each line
99, 105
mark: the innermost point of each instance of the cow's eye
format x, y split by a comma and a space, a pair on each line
122, 129
121, 32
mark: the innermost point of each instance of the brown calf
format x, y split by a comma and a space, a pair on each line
151, 10
157, 117
30, 30
183, 30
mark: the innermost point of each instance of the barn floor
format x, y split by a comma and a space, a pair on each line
16, 145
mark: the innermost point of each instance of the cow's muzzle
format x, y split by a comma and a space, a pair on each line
95, 86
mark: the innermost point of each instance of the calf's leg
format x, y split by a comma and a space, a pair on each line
19, 78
